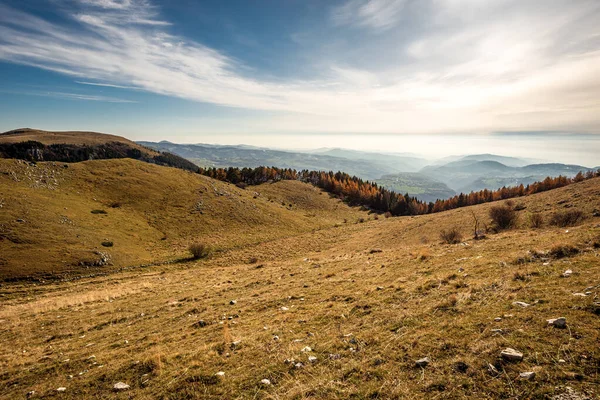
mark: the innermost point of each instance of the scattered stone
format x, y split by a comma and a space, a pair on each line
580, 294
220, 373
289, 361
561, 361
233, 302
61, 389
306, 349
312, 359
493, 370
284, 309
567, 273
527, 375
570, 394
373, 251
199, 324
498, 331
120, 386
236, 344
497, 319
379, 287
266, 382
298, 365
511, 354
275, 338
423, 362
334, 356
560, 322
30, 394
521, 304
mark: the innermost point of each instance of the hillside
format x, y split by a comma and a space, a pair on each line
63, 213
36, 145
338, 312
68, 137
415, 184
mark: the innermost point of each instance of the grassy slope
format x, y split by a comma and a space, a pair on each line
152, 214
67, 137
434, 300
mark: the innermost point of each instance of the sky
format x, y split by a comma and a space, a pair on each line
428, 76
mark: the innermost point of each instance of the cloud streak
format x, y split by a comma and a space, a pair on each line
469, 67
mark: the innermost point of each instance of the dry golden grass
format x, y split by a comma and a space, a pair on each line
368, 298
55, 219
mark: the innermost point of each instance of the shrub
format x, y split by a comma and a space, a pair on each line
107, 244
451, 236
536, 220
503, 217
387, 214
99, 212
567, 218
199, 250
563, 250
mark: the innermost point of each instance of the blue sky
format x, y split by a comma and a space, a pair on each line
267, 71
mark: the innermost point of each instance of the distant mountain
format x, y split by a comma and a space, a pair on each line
508, 161
244, 156
400, 162
466, 175
418, 185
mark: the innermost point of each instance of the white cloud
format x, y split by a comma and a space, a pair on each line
470, 66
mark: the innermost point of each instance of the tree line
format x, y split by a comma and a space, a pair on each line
358, 192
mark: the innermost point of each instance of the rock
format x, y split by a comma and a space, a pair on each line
306, 349
567, 273
511, 354
120, 386
199, 324
580, 294
275, 338
312, 359
423, 362
497, 319
498, 331
560, 322
61, 389
30, 394
220, 373
298, 365
233, 302
521, 304
334, 356
284, 309
492, 370
379, 287
561, 361
527, 375
266, 382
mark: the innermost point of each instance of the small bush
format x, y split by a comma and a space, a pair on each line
99, 212
503, 217
107, 244
563, 250
451, 236
536, 220
387, 214
199, 250
567, 218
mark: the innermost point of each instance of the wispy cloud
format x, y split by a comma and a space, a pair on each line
70, 96
468, 66
376, 14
